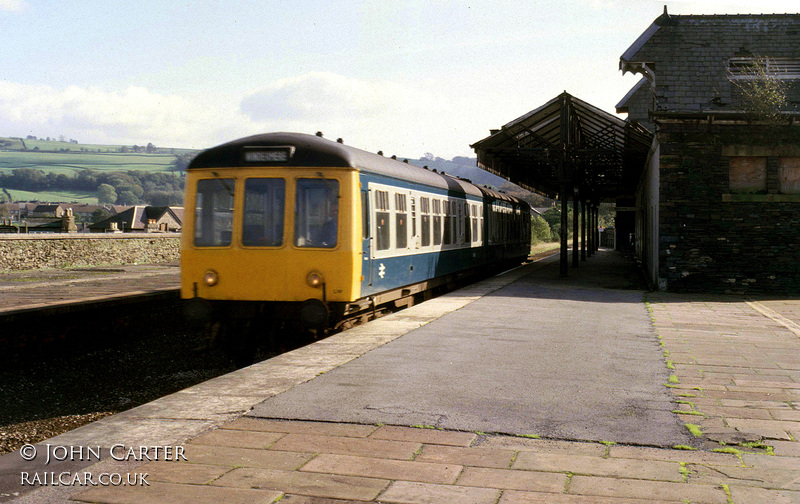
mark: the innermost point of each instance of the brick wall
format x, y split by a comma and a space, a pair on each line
713, 239
22, 252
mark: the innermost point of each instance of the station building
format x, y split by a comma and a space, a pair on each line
718, 203
705, 172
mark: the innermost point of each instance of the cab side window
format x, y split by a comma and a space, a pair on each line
316, 210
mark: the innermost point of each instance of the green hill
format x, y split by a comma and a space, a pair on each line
66, 171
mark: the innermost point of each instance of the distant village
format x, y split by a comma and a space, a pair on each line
36, 217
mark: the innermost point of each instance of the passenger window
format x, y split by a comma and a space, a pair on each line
465, 224
437, 222
447, 228
475, 223
316, 213
413, 217
382, 231
263, 212
401, 216
213, 213
425, 227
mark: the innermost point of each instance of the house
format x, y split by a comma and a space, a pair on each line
10, 211
719, 199
142, 219
83, 212
47, 211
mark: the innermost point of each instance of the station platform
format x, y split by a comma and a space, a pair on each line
46, 290
523, 388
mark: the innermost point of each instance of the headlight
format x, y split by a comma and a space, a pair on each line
210, 278
314, 279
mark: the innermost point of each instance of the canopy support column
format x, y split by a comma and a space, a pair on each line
596, 228
583, 230
564, 224
575, 231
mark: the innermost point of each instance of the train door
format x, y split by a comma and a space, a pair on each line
366, 240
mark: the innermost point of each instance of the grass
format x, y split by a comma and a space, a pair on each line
55, 145
544, 247
684, 472
694, 430
70, 196
770, 450
69, 163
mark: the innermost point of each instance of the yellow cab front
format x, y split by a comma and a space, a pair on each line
271, 234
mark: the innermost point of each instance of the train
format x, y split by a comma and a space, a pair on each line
291, 226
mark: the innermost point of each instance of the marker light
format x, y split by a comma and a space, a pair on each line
314, 279
210, 278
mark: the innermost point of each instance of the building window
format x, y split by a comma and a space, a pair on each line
748, 174
751, 68
789, 175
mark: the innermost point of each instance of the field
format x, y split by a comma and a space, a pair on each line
70, 163
55, 196
69, 159
17, 144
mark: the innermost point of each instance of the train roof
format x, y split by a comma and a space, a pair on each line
301, 150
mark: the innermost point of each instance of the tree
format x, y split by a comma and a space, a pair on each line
540, 230
106, 194
100, 214
127, 197
761, 89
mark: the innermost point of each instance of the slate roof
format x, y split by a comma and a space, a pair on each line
689, 56
136, 217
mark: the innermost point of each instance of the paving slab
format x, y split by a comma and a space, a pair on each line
253, 459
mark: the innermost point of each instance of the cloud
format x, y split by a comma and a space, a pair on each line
402, 117
131, 115
397, 117
324, 96
13, 5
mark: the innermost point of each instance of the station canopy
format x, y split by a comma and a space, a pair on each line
568, 145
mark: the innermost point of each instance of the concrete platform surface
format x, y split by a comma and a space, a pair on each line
732, 372
531, 358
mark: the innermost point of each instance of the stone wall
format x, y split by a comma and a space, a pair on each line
713, 238
37, 251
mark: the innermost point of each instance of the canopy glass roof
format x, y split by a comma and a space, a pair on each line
566, 144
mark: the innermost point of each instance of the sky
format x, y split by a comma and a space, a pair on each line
407, 77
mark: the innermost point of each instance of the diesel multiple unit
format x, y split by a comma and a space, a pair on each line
294, 226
